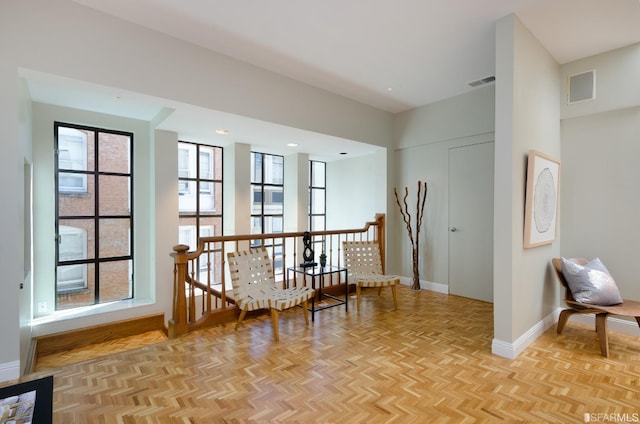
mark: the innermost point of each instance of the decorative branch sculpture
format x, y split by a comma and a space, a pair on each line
415, 241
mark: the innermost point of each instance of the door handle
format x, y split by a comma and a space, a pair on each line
453, 229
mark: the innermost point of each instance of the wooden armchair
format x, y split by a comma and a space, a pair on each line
629, 308
254, 287
363, 262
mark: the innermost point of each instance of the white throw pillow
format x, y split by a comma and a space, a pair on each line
591, 283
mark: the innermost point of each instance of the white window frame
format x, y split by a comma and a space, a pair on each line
72, 144
66, 236
187, 235
206, 187
184, 187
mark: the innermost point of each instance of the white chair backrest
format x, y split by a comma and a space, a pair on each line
362, 257
251, 272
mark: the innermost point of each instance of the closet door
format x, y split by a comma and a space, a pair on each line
471, 221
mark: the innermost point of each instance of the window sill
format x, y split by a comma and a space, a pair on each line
85, 311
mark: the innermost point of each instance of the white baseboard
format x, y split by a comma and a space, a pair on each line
9, 371
427, 285
512, 350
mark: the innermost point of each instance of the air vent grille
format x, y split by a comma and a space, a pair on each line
482, 81
582, 87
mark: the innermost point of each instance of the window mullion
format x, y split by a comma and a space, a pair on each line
96, 237
98, 229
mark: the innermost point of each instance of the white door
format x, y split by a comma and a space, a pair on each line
471, 221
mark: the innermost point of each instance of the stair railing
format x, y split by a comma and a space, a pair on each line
202, 295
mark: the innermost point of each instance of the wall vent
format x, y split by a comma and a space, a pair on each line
582, 87
482, 81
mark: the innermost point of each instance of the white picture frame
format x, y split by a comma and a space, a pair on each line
542, 199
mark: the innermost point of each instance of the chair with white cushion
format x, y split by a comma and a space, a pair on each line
364, 265
254, 287
620, 307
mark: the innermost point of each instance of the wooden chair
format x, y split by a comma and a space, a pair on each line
629, 308
254, 287
364, 265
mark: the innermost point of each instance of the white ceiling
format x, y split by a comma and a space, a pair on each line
393, 55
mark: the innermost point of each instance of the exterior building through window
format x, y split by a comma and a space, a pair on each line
200, 198
94, 215
267, 201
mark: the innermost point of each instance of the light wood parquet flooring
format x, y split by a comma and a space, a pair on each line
99, 349
428, 362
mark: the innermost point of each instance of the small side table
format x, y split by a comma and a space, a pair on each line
319, 273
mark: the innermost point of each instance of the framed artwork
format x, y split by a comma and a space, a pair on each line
28, 402
542, 198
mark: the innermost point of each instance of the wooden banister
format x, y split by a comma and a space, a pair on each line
178, 323
380, 238
217, 305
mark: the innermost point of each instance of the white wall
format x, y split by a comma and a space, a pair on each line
14, 147
24, 216
600, 186
423, 137
527, 117
164, 152
457, 117
354, 190
296, 193
617, 82
237, 192
600, 173
102, 49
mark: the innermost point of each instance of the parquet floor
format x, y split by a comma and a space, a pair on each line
428, 362
99, 349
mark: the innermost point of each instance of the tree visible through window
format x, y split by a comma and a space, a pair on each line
94, 215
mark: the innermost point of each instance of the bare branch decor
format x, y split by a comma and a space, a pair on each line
415, 240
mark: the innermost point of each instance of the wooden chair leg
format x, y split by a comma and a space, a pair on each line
305, 310
243, 312
601, 328
274, 321
395, 296
358, 297
563, 318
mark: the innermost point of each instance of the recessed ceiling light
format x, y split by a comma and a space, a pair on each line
292, 144
389, 88
222, 131
343, 153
